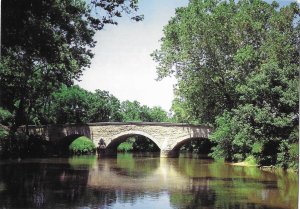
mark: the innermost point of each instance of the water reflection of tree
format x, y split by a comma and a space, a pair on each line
47, 185
259, 189
200, 196
206, 185
233, 186
23, 186
34, 185
132, 196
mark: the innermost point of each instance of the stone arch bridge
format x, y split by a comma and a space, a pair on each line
169, 137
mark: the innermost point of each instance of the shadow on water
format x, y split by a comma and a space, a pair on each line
142, 182
31, 184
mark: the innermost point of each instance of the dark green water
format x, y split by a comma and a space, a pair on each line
141, 183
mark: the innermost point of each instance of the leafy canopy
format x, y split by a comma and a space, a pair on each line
237, 67
47, 43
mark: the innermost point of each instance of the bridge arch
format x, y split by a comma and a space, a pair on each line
174, 149
121, 137
182, 141
63, 143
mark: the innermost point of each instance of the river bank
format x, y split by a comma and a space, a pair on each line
270, 168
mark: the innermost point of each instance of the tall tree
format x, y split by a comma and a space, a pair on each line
157, 114
237, 62
104, 107
134, 111
211, 47
76, 105
70, 105
265, 123
198, 47
131, 111
46, 43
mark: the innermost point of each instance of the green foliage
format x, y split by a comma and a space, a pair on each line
144, 144
82, 145
46, 44
182, 110
3, 133
257, 148
237, 68
28, 72
5, 117
21, 145
131, 111
250, 160
157, 114
197, 47
135, 112
5, 121
125, 146
202, 147
104, 107
69, 105
222, 137
138, 144
288, 155
76, 105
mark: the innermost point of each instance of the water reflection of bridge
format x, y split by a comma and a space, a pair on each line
154, 175
191, 179
184, 182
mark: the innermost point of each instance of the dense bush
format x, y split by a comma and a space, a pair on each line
3, 132
202, 146
5, 116
125, 146
237, 139
144, 144
22, 145
82, 145
5, 120
138, 144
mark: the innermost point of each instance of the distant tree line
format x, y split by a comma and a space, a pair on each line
77, 105
237, 67
74, 105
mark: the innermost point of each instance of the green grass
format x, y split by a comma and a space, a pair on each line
250, 160
82, 145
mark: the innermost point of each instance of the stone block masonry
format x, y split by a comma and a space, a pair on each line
169, 137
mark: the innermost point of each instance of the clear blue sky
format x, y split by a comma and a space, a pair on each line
122, 64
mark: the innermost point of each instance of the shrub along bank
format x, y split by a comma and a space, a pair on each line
82, 145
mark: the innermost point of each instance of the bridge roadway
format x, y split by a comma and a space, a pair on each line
169, 137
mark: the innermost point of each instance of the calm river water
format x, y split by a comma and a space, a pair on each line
140, 183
